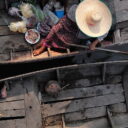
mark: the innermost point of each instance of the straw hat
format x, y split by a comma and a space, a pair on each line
93, 18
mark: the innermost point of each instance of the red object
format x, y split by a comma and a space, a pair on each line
60, 34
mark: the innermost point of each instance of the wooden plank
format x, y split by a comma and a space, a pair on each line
121, 121
82, 83
117, 36
122, 25
7, 124
53, 120
86, 114
2, 4
118, 108
15, 92
54, 126
32, 105
121, 10
16, 123
20, 56
122, 16
120, 4
4, 30
124, 34
125, 84
81, 72
85, 92
5, 19
94, 112
13, 42
97, 123
12, 113
77, 105
113, 79
20, 123
12, 105
5, 57
115, 68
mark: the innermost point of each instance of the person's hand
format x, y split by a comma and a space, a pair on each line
36, 52
39, 51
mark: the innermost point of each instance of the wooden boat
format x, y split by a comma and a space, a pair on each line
14, 49
96, 97
93, 95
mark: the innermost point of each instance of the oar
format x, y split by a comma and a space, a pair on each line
101, 49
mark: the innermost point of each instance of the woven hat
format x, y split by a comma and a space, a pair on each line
93, 18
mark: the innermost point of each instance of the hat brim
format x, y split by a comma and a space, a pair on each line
100, 28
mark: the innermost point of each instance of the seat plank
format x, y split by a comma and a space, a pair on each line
85, 92
33, 113
77, 105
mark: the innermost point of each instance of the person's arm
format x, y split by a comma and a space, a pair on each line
93, 44
98, 40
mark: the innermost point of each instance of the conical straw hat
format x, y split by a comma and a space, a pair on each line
93, 18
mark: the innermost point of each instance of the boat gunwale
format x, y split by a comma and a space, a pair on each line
62, 67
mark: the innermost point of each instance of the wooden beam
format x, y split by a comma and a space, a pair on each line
121, 10
99, 123
85, 82
32, 105
85, 92
5, 57
13, 42
12, 105
81, 72
120, 121
118, 108
15, 123
21, 56
54, 126
113, 79
2, 4
5, 19
20, 123
12, 113
4, 30
7, 124
77, 105
124, 34
117, 36
86, 114
53, 120
92, 113
125, 84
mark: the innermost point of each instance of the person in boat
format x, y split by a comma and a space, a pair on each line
92, 17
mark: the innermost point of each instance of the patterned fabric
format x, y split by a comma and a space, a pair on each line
62, 33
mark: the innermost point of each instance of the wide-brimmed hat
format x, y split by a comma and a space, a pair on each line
93, 18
